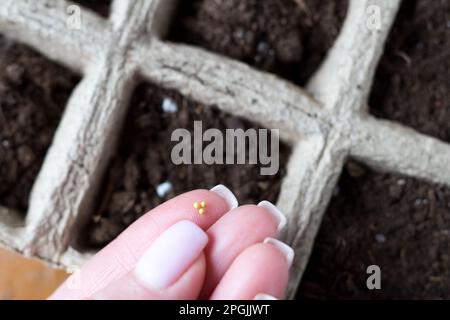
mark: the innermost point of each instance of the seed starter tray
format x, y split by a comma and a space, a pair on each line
326, 122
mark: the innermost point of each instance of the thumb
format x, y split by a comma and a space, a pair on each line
173, 267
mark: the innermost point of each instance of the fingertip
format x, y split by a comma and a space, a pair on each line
231, 235
276, 213
284, 249
261, 268
204, 203
227, 195
121, 255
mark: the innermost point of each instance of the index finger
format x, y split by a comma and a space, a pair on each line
121, 255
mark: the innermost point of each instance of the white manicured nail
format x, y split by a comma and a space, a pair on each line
283, 247
227, 195
264, 296
275, 212
170, 255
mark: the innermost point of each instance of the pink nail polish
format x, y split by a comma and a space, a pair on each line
170, 255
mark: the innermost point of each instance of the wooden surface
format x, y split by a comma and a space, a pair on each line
22, 278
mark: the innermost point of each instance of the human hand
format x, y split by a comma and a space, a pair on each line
173, 252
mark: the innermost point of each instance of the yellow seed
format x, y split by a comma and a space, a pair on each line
203, 204
201, 211
196, 205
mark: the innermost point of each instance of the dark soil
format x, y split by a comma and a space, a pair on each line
102, 7
33, 94
413, 80
286, 37
400, 224
397, 223
143, 161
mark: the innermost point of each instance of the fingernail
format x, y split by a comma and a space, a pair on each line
264, 296
170, 255
283, 247
226, 194
275, 212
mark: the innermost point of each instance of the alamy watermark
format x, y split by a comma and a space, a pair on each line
373, 282
373, 21
73, 21
234, 146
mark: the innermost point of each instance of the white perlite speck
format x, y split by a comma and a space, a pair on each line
380, 238
169, 105
163, 189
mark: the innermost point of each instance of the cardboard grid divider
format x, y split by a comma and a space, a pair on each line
326, 123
